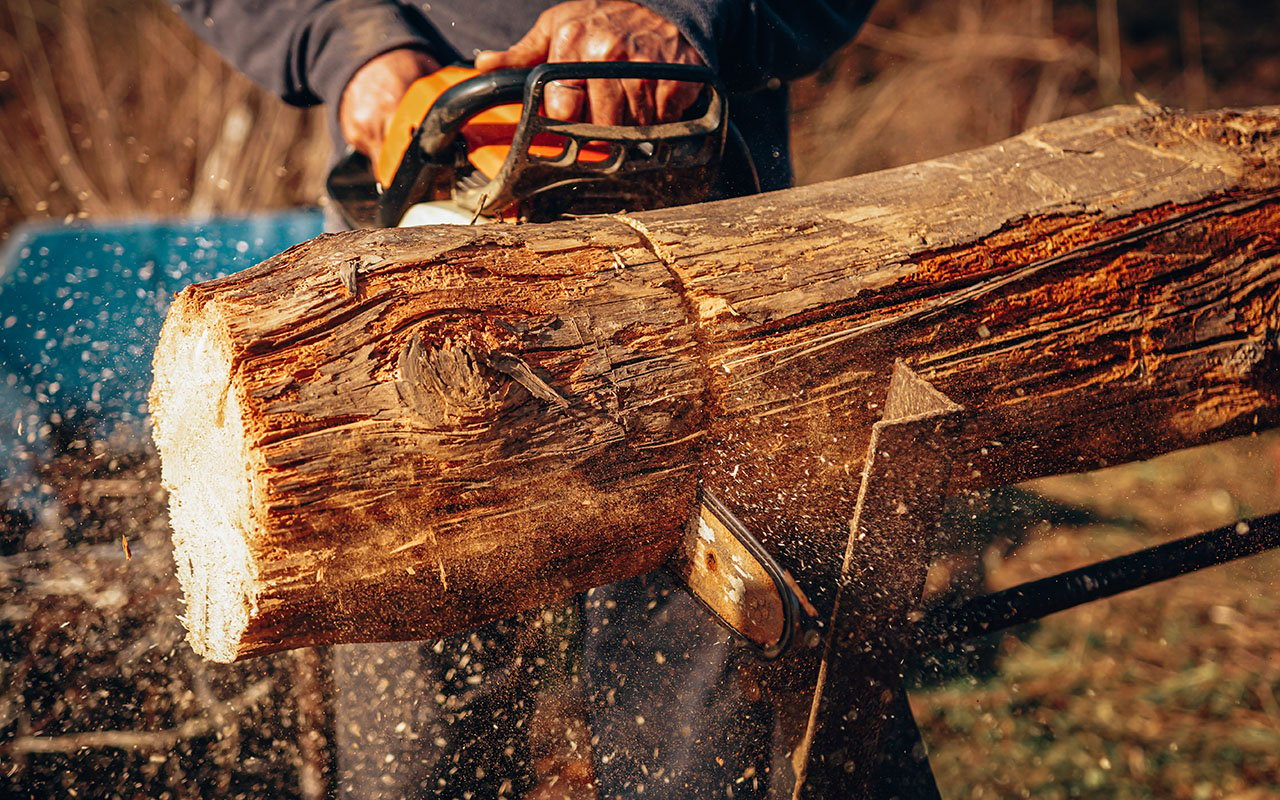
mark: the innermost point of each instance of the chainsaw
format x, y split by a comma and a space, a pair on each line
465, 146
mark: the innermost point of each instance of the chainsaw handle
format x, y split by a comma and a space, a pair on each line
458, 104
618, 70
644, 163
625, 71
648, 165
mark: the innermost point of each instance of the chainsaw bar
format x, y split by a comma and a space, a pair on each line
727, 569
1028, 602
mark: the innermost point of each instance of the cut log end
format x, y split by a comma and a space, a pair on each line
197, 425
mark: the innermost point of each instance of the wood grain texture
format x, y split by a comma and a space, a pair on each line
401, 440
1094, 291
498, 416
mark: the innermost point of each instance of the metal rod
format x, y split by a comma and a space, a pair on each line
1040, 598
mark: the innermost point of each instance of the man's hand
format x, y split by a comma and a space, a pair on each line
604, 30
370, 99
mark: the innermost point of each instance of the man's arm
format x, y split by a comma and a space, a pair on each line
362, 54
305, 51
359, 56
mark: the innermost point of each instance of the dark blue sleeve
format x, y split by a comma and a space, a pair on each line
753, 43
306, 51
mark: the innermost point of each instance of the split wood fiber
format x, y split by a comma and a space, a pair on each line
396, 434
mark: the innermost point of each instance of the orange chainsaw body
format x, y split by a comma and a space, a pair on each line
488, 135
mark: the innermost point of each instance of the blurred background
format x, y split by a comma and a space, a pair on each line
111, 110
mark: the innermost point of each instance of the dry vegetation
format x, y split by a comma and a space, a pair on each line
1166, 692
109, 108
112, 108
928, 78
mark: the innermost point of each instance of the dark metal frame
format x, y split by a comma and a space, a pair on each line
869, 637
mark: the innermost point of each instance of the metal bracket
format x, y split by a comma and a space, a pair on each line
843, 663
859, 685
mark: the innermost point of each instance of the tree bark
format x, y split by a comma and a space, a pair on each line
395, 434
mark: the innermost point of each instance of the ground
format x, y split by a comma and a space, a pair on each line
1165, 692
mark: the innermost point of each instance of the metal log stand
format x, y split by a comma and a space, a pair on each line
856, 736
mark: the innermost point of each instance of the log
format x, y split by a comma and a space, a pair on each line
395, 434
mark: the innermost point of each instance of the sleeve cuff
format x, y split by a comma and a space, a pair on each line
704, 24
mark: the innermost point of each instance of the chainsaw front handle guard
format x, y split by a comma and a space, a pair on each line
647, 166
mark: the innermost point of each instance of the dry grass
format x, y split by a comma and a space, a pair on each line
112, 108
925, 79
1166, 692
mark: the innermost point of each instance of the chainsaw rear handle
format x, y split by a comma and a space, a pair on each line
460, 103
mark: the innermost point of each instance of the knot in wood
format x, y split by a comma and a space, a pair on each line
451, 383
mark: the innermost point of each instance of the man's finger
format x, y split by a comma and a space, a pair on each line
641, 105
606, 101
564, 100
675, 97
489, 60
530, 51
